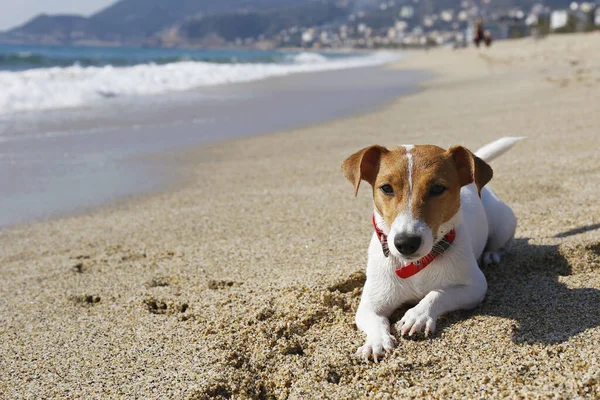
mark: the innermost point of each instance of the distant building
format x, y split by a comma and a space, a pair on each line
407, 12
308, 36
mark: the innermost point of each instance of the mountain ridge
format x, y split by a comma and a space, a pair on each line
133, 21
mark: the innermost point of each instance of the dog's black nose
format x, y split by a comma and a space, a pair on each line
407, 244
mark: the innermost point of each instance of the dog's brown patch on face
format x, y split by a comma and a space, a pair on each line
431, 166
393, 171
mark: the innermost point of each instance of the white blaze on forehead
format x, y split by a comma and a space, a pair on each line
406, 223
408, 148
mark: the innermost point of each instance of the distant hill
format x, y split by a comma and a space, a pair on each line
137, 20
231, 26
56, 24
61, 28
177, 22
140, 19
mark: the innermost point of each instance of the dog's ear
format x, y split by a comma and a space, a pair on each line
363, 164
471, 168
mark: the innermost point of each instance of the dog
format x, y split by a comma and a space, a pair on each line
434, 218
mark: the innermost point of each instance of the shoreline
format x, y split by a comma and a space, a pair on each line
117, 142
244, 282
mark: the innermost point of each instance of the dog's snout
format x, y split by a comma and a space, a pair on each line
407, 244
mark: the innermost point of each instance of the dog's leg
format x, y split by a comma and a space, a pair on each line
500, 239
502, 223
372, 318
377, 327
423, 317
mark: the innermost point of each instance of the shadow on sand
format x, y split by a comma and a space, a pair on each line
526, 288
576, 231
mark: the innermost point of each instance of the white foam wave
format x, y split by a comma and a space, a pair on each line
306, 58
49, 88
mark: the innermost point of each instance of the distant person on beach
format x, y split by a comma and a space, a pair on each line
481, 35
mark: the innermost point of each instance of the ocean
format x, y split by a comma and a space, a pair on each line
15, 57
36, 78
82, 126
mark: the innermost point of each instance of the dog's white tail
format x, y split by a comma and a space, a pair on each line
493, 150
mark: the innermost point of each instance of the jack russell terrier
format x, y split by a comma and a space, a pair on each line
433, 220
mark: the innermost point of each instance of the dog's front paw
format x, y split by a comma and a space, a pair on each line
416, 321
376, 348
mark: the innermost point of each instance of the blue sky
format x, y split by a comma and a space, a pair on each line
15, 12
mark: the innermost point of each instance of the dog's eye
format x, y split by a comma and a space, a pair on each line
437, 189
387, 189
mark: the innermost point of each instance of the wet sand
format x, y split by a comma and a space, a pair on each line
244, 282
57, 162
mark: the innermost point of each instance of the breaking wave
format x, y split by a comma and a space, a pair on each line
78, 85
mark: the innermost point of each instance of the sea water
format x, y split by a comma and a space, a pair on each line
49, 77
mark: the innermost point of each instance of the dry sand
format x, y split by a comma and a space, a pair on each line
243, 282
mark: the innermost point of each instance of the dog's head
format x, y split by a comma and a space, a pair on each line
416, 189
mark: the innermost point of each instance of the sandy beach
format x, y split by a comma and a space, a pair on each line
243, 281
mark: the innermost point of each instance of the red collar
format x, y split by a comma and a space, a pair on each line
416, 266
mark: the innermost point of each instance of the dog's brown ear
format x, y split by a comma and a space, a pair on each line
363, 164
471, 168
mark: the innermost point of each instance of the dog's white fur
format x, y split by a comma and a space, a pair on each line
452, 281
